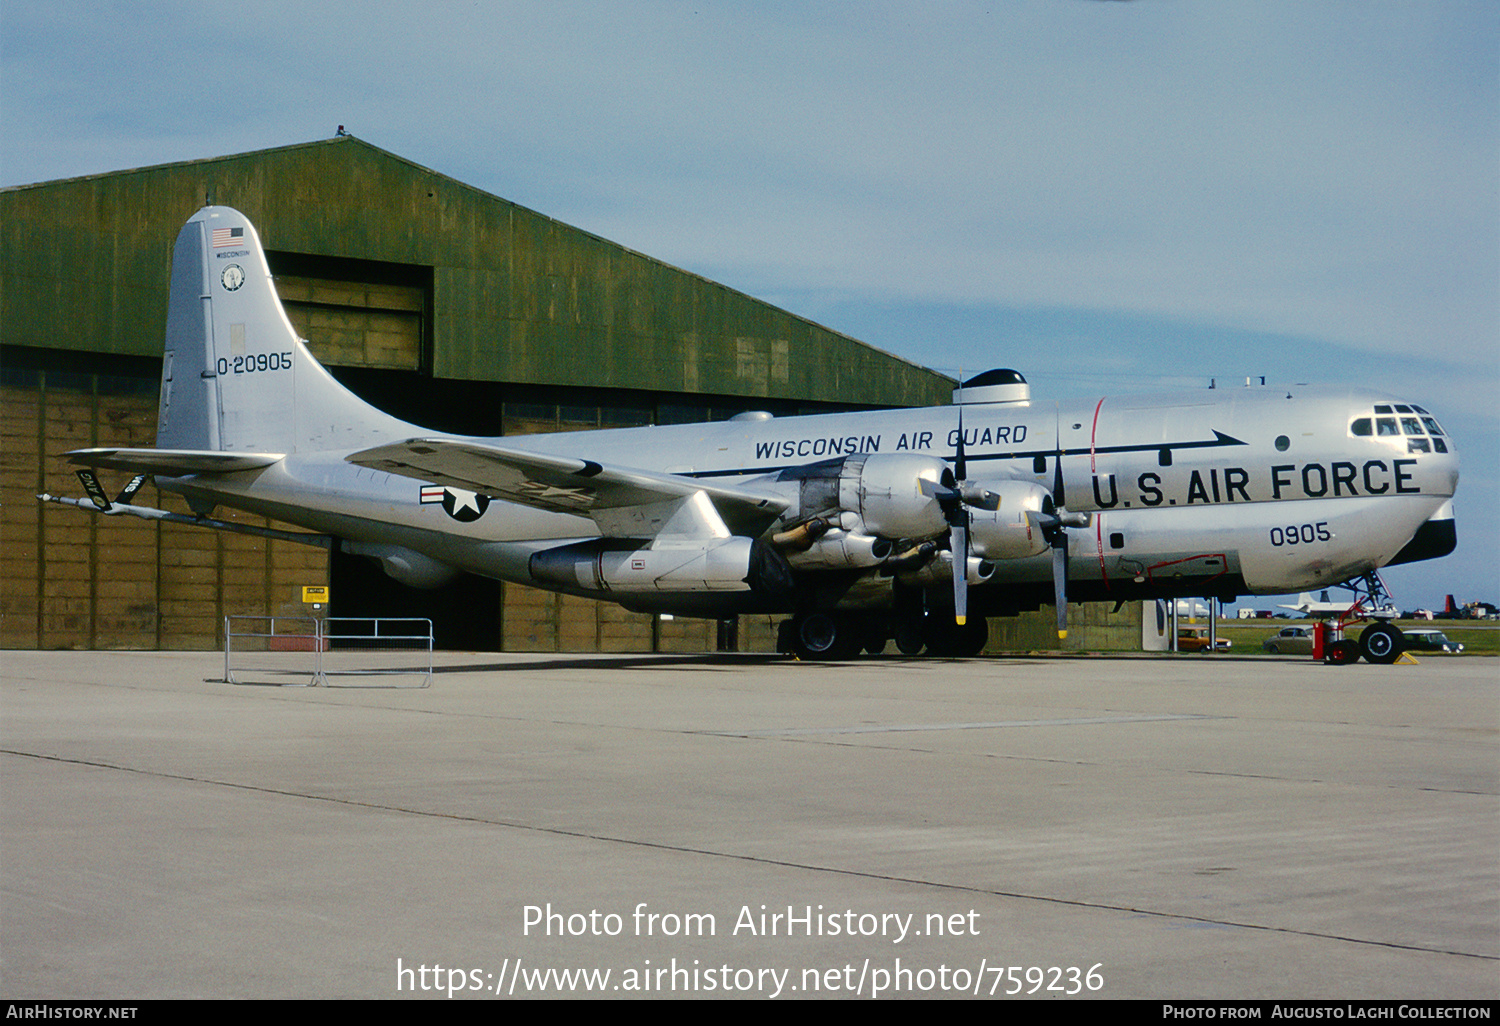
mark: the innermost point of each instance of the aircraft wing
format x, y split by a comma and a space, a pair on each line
172, 462
621, 500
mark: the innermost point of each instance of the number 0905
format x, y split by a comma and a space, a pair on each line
1300, 534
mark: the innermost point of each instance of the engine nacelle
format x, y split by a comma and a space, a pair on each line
887, 491
1010, 531
838, 549
713, 565
939, 570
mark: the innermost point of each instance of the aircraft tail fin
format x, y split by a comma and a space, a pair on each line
235, 376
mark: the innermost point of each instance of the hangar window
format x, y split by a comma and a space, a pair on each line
356, 313
674, 413
573, 418
529, 418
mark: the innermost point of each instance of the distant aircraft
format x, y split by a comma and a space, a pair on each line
1317, 608
912, 525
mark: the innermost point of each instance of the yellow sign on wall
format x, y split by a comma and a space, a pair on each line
314, 595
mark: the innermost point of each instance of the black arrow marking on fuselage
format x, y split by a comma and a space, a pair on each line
1220, 439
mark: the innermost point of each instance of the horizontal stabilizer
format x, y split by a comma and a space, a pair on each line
563, 484
172, 462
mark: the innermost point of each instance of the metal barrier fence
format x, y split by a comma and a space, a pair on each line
302, 651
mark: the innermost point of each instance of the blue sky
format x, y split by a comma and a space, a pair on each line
1110, 197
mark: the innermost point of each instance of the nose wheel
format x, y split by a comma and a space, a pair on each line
1381, 643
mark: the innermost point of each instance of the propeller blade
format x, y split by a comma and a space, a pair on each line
1060, 583
961, 568
1058, 495
959, 470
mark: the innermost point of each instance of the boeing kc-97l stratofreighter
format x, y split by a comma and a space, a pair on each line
912, 525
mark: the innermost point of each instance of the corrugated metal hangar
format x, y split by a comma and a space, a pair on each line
434, 300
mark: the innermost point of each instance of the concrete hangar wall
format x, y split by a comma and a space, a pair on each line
445, 305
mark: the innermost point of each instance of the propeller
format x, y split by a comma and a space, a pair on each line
958, 525
955, 501
1055, 523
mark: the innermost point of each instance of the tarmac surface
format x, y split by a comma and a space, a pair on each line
1127, 827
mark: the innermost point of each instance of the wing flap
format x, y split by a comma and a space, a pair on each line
610, 495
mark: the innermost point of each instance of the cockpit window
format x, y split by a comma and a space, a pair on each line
1419, 428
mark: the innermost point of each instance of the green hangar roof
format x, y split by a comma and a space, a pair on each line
506, 294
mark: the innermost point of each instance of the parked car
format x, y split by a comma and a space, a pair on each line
1195, 639
1290, 640
1426, 640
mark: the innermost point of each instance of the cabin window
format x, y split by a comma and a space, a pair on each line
1411, 426
1283, 443
1386, 426
1363, 426
1432, 426
1417, 445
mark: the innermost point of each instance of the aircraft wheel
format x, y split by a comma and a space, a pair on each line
968, 640
948, 640
1381, 643
909, 640
821, 636
1343, 653
938, 632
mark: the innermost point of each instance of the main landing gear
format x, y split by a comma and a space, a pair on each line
834, 636
1382, 642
